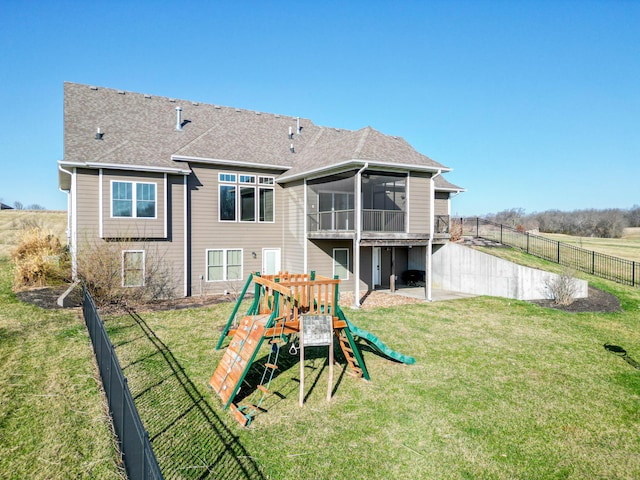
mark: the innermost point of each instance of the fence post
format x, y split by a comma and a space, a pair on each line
558, 252
501, 233
527, 234
593, 262
477, 227
633, 274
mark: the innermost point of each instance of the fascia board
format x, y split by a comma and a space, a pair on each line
235, 163
453, 190
318, 172
119, 166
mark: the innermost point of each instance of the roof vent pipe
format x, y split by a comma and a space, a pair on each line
293, 150
298, 127
178, 118
99, 134
290, 133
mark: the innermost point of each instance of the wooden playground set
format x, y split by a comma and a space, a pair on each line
285, 305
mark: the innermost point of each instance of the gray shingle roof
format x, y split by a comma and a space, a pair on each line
140, 131
443, 185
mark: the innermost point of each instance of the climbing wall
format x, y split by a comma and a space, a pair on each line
238, 357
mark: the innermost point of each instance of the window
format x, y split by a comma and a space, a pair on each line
125, 204
228, 203
341, 263
239, 201
224, 264
133, 268
247, 204
266, 204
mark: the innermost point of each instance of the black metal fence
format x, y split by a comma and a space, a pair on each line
617, 269
138, 457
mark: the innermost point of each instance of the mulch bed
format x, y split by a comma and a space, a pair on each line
597, 301
46, 297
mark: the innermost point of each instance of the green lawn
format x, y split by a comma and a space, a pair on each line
52, 421
501, 389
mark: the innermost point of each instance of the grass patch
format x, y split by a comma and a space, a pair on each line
501, 389
52, 419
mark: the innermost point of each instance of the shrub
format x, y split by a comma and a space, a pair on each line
455, 230
562, 288
100, 268
40, 259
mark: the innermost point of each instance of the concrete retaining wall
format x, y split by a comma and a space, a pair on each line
463, 269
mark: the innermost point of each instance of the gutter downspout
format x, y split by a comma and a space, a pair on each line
305, 233
432, 214
70, 236
356, 241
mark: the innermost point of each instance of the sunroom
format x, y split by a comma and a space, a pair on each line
331, 206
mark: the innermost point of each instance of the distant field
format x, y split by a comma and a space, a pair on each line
12, 222
626, 247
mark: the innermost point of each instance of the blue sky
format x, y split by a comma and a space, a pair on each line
535, 105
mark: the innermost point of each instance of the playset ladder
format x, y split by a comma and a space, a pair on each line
238, 357
352, 353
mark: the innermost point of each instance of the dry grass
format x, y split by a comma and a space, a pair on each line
14, 222
39, 260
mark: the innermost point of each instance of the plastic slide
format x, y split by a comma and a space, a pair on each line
376, 343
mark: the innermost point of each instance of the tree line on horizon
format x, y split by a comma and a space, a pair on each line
602, 223
18, 205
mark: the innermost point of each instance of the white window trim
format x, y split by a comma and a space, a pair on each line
251, 181
134, 200
144, 267
256, 202
259, 182
265, 187
348, 262
224, 264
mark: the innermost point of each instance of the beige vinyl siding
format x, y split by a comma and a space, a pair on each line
293, 228
165, 257
442, 203
174, 255
366, 278
321, 259
419, 202
207, 232
120, 227
87, 201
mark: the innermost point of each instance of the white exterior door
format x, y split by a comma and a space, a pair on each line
270, 261
375, 265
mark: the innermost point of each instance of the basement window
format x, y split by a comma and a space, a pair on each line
341, 263
224, 264
133, 268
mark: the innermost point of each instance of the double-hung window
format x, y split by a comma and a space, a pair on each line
133, 268
245, 198
341, 263
133, 199
224, 264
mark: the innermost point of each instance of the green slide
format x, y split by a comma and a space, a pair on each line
376, 343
